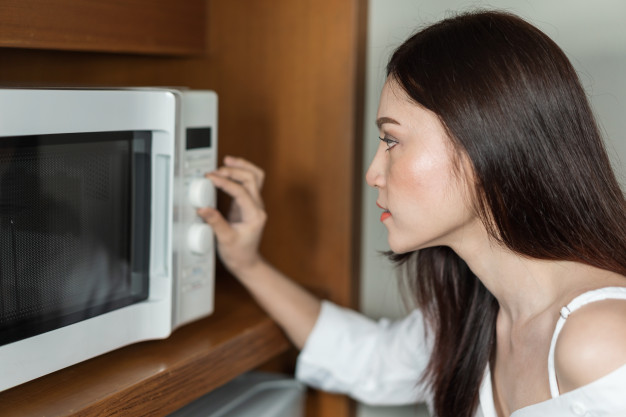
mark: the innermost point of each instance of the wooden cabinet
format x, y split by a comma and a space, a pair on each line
289, 75
133, 26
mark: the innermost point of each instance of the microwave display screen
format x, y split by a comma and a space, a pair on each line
198, 137
74, 228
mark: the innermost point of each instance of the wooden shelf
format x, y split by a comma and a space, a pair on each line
157, 377
161, 27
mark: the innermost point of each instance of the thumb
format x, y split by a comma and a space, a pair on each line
222, 229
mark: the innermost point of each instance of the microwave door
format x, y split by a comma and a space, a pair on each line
74, 228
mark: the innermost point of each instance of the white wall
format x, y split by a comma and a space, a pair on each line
590, 32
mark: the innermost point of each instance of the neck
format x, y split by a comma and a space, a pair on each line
524, 287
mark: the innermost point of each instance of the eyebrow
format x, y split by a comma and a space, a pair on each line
382, 120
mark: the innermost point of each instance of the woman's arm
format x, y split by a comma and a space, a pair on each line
292, 307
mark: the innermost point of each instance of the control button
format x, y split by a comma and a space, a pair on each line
200, 238
201, 192
197, 285
199, 163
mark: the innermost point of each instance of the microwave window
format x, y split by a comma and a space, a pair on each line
74, 228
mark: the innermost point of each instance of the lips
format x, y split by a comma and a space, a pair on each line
385, 214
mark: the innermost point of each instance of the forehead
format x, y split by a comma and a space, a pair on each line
397, 107
393, 96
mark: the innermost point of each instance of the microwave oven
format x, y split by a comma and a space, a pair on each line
100, 244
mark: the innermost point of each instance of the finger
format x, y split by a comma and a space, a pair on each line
241, 196
259, 174
223, 231
246, 178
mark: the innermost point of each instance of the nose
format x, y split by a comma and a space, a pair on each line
374, 175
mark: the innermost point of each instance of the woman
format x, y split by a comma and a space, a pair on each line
499, 200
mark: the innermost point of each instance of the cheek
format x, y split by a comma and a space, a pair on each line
426, 177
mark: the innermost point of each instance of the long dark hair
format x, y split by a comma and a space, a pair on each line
513, 105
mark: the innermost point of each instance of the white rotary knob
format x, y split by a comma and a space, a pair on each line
201, 192
199, 238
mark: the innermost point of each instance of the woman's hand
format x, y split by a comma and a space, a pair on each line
295, 309
238, 237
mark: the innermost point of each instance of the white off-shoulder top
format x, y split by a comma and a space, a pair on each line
381, 363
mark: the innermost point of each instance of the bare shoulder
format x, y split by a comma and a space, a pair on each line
592, 344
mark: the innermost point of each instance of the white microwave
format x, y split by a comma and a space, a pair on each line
100, 244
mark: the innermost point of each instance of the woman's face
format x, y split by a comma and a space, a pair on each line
424, 198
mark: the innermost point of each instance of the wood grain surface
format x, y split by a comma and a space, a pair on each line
137, 26
289, 77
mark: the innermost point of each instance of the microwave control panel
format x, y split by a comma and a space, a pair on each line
194, 251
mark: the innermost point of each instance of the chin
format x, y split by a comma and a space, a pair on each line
400, 248
406, 247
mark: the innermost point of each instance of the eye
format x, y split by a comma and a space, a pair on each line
389, 142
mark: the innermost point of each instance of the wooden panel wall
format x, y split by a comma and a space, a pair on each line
289, 75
